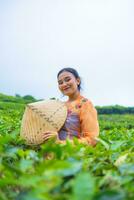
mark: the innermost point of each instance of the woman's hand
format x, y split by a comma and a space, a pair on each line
47, 135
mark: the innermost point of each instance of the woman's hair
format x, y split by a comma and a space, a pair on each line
72, 71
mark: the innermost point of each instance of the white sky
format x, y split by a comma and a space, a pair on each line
96, 37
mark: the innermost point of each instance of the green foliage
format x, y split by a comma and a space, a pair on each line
108, 122
83, 186
66, 171
17, 99
29, 98
116, 109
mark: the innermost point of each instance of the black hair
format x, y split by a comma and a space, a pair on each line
72, 71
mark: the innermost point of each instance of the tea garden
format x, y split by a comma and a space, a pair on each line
74, 171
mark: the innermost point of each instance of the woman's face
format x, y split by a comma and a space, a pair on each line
67, 83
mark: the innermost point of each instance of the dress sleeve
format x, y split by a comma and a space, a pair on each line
89, 123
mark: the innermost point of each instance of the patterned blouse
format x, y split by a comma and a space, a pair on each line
81, 121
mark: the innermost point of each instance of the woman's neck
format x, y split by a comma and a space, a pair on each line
74, 96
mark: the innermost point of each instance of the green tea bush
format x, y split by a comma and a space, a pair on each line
67, 171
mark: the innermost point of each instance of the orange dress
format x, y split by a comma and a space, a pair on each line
81, 121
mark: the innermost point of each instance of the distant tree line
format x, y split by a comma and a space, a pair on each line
17, 98
114, 109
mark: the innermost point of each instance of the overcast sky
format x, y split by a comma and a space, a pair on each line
96, 37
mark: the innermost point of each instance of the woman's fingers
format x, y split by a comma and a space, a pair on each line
46, 133
46, 136
49, 135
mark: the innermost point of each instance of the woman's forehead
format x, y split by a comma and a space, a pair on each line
64, 75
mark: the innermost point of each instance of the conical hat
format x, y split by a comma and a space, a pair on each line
40, 117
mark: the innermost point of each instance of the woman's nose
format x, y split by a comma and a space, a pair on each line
64, 84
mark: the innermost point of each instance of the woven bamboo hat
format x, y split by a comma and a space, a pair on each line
40, 117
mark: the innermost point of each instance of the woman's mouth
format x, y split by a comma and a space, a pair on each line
65, 89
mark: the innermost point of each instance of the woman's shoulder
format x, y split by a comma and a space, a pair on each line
87, 106
85, 101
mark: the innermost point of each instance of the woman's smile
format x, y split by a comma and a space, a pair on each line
65, 89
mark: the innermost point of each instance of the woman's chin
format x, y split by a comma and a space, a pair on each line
67, 93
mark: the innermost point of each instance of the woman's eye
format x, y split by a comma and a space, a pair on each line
67, 79
60, 82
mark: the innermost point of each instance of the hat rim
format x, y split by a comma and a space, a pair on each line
53, 117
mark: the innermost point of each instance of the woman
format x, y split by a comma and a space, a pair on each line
81, 119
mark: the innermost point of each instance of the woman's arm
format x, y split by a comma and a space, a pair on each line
89, 124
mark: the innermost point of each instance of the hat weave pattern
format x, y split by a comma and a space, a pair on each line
40, 117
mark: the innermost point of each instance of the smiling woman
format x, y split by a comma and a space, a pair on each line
69, 82
81, 121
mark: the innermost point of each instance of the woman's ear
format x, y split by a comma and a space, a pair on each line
78, 81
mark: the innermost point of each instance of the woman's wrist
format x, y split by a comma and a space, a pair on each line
87, 141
